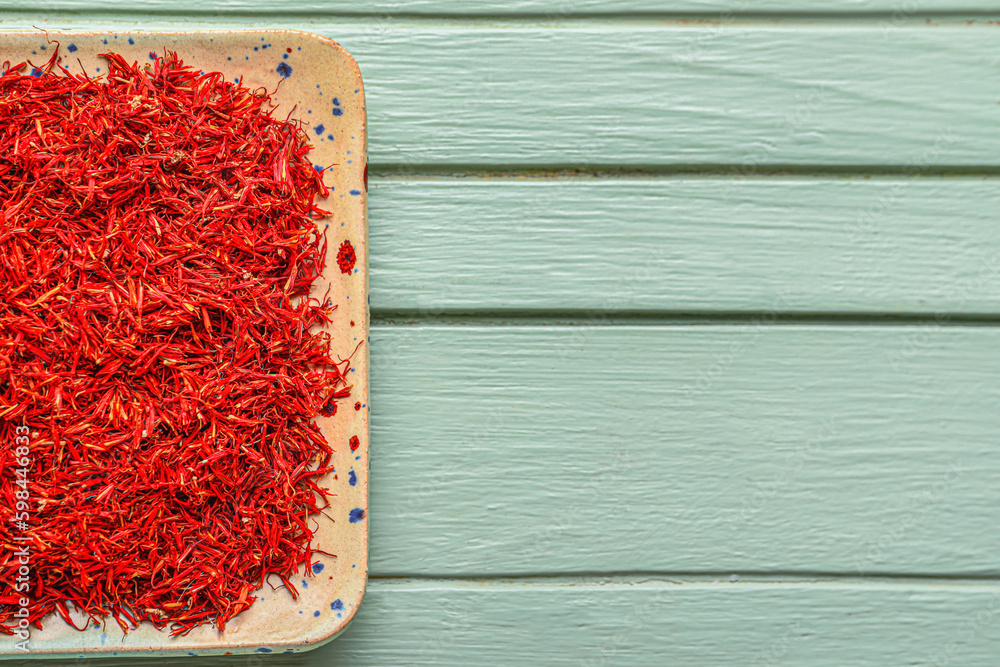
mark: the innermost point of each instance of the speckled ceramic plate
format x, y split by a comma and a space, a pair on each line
322, 83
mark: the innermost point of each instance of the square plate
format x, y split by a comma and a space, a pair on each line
320, 85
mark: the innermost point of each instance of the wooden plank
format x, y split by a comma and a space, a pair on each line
545, 8
747, 96
827, 624
546, 449
740, 97
817, 625
686, 244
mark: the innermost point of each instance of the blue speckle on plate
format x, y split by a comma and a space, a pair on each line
318, 167
131, 41
337, 605
337, 111
352, 479
229, 57
330, 137
284, 70
336, 102
71, 48
317, 568
305, 584
300, 48
285, 56
355, 193
357, 514
105, 40
319, 129
35, 72
316, 613
256, 48
263, 650
42, 47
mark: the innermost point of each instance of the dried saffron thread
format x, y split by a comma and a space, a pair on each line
157, 249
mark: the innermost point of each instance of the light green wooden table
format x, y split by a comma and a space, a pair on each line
684, 335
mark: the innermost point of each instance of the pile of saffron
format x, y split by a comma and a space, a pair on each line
158, 245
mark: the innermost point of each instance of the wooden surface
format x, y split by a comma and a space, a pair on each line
890, 246
684, 336
684, 449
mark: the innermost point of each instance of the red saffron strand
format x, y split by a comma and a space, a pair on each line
158, 246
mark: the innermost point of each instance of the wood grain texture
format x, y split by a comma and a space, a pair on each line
545, 8
661, 624
747, 96
546, 449
766, 245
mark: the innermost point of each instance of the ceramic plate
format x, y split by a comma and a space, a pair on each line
320, 84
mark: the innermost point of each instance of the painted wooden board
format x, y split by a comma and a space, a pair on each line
738, 99
827, 624
545, 8
655, 623
614, 246
512, 450
673, 96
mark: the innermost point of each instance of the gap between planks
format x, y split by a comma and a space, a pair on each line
688, 581
598, 318
393, 172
